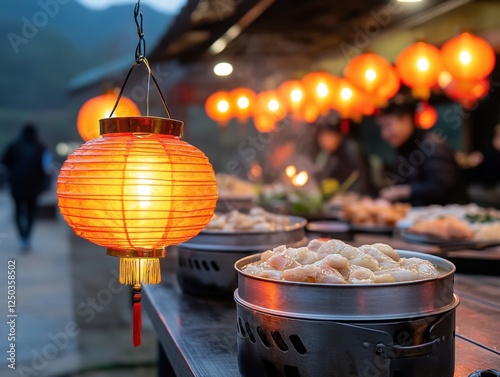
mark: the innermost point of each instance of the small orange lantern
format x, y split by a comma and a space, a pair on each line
99, 107
309, 112
136, 190
351, 102
426, 116
419, 67
367, 71
388, 89
269, 103
218, 107
242, 101
320, 87
264, 123
467, 93
468, 57
293, 96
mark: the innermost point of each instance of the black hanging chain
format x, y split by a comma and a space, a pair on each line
140, 57
140, 50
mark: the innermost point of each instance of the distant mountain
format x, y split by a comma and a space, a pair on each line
85, 27
43, 47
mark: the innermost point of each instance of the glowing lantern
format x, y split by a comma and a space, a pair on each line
426, 116
320, 87
100, 107
264, 123
445, 79
468, 57
467, 93
293, 96
309, 112
136, 190
268, 103
242, 101
367, 71
351, 102
218, 107
388, 89
419, 67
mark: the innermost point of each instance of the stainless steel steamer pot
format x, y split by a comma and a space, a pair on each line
292, 329
206, 263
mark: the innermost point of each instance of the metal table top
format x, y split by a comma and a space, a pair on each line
199, 335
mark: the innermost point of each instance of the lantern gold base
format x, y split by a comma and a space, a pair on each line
139, 267
137, 271
157, 253
141, 125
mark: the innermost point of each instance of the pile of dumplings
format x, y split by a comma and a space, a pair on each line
335, 262
257, 220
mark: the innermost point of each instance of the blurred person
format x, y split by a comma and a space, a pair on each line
426, 171
341, 158
27, 179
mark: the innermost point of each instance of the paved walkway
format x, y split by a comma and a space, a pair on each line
47, 343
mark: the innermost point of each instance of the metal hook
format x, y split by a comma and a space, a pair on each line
140, 50
140, 57
150, 71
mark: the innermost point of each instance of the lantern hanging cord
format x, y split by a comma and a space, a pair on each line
152, 76
148, 89
140, 50
140, 58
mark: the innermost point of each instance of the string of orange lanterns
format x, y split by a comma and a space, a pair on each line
460, 69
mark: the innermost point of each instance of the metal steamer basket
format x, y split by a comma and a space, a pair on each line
291, 329
206, 263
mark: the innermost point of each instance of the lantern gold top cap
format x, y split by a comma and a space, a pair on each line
141, 125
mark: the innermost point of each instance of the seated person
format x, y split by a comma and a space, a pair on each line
341, 158
426, 171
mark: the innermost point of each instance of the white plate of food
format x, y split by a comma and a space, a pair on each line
451, 225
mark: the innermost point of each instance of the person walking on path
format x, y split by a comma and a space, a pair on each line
24, 162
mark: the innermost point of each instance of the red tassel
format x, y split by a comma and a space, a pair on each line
137, 317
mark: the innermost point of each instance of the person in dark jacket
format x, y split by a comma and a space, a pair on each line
426, 171
24, 162
342, 159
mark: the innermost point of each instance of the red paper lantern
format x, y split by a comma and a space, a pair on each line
269, 103
242, 101
135, 191
293, 96
309, 112
320, 87
426, 116
367, 71
218, 107
388, 89
100, 107
419, 67
264, 123
467, 93
351, 102
468, 57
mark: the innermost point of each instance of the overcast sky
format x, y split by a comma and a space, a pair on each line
167, 6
